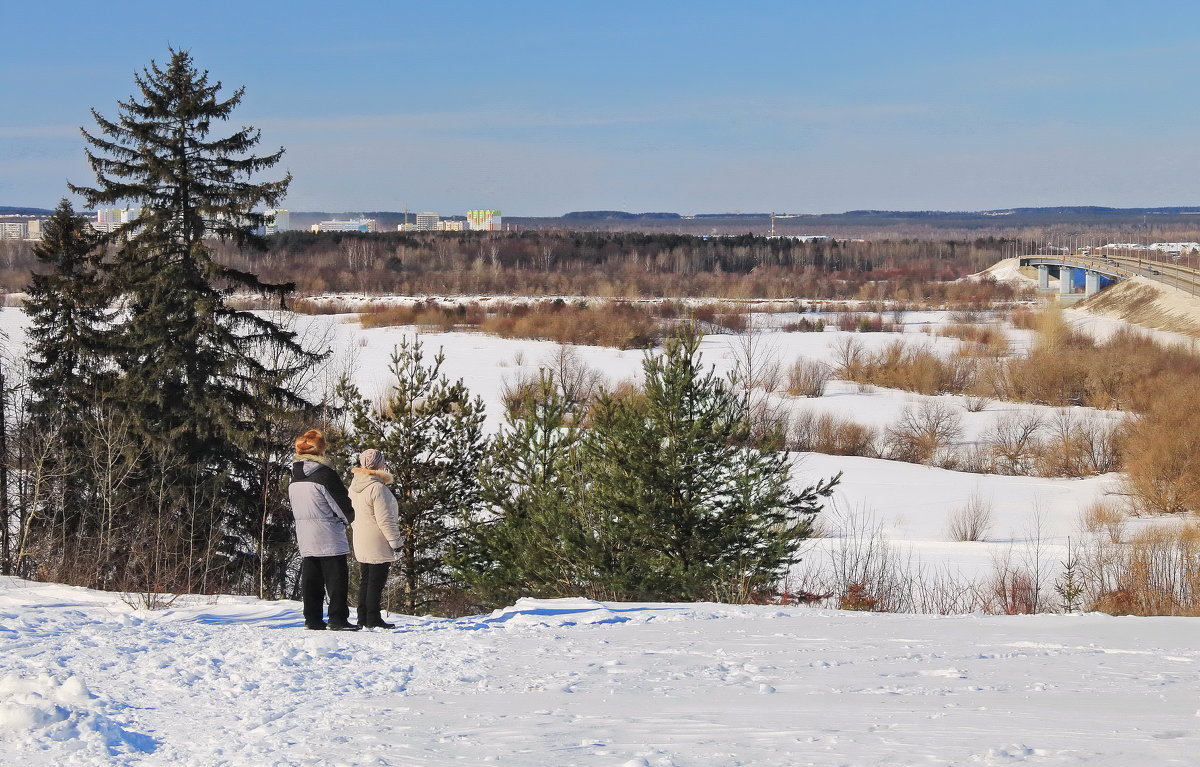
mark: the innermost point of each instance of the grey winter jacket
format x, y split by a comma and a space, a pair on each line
376, 523
321, 507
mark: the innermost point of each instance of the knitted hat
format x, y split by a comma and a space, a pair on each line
370, 459
311, 442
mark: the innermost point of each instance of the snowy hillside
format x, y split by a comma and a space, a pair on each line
85, 679
910, 504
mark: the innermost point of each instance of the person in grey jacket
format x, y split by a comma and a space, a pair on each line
376, 534
322, 510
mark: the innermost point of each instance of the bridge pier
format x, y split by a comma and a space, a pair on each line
1066, 282
1091, 283
1043, 277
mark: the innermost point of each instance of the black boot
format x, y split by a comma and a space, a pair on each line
371, 619
344, 627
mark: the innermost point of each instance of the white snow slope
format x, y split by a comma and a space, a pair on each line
84, 680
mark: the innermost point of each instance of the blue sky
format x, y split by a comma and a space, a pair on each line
539, 108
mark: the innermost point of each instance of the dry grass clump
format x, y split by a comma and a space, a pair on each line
1104, 518
857, 322
1022, 317
903, 365
832, 435
619, 324
804, 325
1162, 454
1075, 445
428, 315
1128, 371
721, 317
984, 335
972, 521
808, 378
980, 340
1156, 573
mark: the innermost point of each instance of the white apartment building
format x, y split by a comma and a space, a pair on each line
427, 222
108, 219
278, 220
484, 220
14, 230
352, 225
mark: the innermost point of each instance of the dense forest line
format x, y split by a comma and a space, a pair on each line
596, 263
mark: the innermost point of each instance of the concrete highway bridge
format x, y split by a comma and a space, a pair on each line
1095, 272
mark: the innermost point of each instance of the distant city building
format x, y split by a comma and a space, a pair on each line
353, 225
406, 227
13, 230
427, 222
484, 220
108, 219
446, 225
799, 237
33, 229
278, 220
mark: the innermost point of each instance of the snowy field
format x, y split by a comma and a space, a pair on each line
85, 679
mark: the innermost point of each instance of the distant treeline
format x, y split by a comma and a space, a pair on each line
612, 264
618, 264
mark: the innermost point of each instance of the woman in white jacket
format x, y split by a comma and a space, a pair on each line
376, 533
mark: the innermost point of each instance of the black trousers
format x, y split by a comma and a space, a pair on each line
370, 592
320, 576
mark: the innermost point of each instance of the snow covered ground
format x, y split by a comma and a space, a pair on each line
85, 680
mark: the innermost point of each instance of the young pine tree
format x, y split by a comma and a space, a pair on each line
193, 383
682, 507
430, 432
530, 540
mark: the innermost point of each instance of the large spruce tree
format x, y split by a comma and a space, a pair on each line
194, 380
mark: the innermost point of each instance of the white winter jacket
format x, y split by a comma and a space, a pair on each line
320, 506
376, 517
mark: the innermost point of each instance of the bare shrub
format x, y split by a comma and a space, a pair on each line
756, 361
972, 521
1156, 573
1012, 590
1013, 441
1104, 517
922, 432
974, 459
516, 392
808, 378
976, 403
848, 355
577, 381
867, 570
